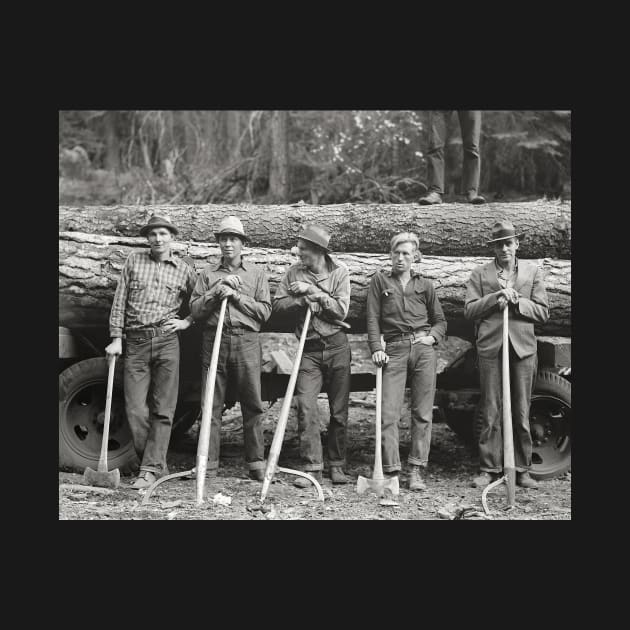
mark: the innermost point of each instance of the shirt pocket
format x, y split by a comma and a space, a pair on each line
416, 303
136, 286
388, 302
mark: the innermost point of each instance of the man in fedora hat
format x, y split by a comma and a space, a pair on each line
248, 307
322, 285
153, 287
402, 307
506, 282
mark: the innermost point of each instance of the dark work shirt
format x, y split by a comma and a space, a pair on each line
392, 310
250, 310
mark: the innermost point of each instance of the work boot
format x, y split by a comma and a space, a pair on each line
474, 197
303, 482
257, 474
145, 479
415, 479
337, 475
431, 198
525, 481
482, 480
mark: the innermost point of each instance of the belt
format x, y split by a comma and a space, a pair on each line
321, 343
230, 330
146, 333
414, 336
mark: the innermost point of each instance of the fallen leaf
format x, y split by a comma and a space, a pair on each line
221, 499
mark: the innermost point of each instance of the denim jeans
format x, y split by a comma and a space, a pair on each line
420, 362
522, 373
470, 124
325, 362
240, 356
151, 380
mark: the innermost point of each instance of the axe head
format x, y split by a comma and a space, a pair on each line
378, 485
101, 479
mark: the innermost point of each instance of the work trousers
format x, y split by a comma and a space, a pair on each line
419, 361
470, 124
324, 362
239, 361
151, 381
522, 373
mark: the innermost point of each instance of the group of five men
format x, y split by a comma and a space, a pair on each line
405, 323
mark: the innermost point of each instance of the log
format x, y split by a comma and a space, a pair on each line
90, 264
444, 230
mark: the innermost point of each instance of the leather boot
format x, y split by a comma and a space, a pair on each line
415, 479
337, 475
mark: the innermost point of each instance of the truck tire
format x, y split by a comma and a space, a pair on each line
82, 392
550, 424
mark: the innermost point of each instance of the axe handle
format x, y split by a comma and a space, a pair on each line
378, 457
102, 461
206, 416
278, 436
508, 442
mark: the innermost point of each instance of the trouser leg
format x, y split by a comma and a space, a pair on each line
522, 376
470, 124
338, 385
137, 379
162, 400
490, 437
220, 386
423, 378
307, 388
394, 380
245, 366
435, 154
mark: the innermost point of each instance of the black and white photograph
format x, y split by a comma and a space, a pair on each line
314, 314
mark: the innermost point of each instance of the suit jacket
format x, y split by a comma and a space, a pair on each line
481, 305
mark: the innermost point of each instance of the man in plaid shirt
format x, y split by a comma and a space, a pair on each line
152, 287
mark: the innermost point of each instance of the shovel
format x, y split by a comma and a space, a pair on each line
206, 417
509, 472
101, 477
378, 483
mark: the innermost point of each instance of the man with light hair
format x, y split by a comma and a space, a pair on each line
403, 308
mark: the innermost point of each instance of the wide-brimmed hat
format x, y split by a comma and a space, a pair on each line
158, 220
315, 234
231, 225
502, 230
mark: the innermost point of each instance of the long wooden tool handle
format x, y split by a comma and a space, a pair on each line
508, 442
206, 416
102, 461
278, 436
378, 457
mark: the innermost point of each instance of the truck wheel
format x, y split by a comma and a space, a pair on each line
82, 392
550, 425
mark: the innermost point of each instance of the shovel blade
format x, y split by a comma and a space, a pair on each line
101, 479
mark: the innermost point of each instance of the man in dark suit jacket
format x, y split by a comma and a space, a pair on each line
506, 282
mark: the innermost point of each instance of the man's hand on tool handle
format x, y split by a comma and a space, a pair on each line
505, 296
380, 358
114, 348
226, 291
233, 281
301, 288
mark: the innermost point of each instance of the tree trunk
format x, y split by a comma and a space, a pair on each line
279, 169
90, 264
445, 230
112, 147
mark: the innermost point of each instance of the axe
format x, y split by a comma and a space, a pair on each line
378, 483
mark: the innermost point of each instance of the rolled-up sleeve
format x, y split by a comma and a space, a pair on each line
117, 314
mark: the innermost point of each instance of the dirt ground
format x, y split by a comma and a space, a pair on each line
232, 496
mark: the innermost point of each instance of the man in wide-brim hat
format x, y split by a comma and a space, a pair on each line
249, 306
322, 285
153, 286
506, 282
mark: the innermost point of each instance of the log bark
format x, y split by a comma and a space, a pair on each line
444, 230
90, 264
